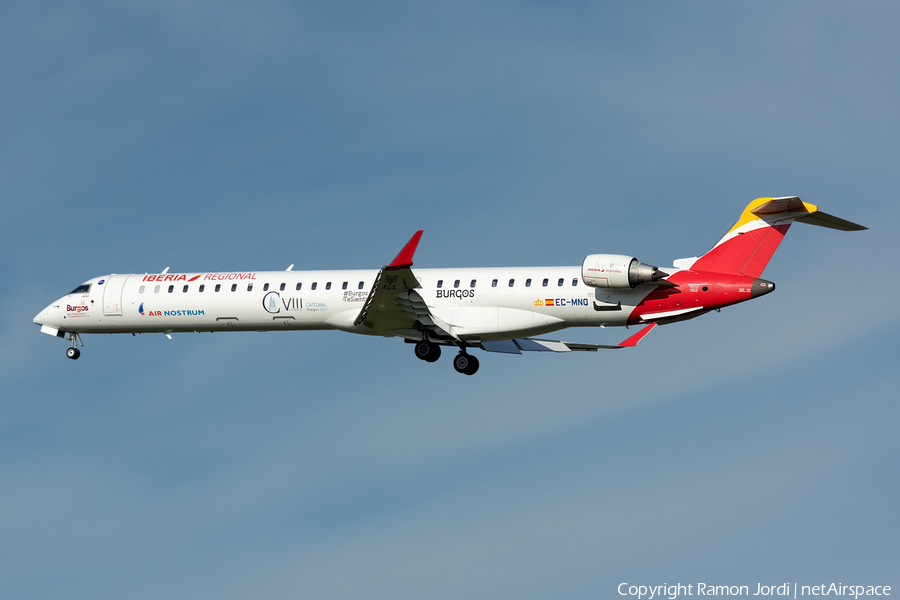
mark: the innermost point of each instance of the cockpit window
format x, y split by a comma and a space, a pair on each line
81, 289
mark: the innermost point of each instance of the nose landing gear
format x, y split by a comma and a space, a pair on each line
74, 352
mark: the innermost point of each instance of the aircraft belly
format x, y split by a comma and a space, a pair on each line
503, 323
344, 321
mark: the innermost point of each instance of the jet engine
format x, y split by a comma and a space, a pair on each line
617, 272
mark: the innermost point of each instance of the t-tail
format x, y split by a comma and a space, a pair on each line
749, 245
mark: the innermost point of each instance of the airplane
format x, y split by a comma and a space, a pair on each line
492, 309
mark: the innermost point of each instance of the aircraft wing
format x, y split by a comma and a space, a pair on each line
535, 345
394, 304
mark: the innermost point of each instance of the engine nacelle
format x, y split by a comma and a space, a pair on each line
617, 272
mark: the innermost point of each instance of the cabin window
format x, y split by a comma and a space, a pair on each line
249, 287
512, 282
560, 282
344, 286
141, 290
218, 287
185, 289
360, 285
494, 283
705, 288
546, 282
456, 283
472, 284
574, 281
328, 286
315, 283
265, 287
281, 288
156, 289
299, 285
202, 287
82, 289
528, 282
233, 287
171, 288
440, 283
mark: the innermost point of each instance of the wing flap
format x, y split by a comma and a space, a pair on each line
520, 345
533, 345
502, 346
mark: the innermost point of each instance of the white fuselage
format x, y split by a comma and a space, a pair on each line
494, 309
478, 302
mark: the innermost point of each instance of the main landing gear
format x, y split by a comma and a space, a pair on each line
428, 351
73, 353
463, 362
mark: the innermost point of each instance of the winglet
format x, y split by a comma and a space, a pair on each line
404, 259
633, 340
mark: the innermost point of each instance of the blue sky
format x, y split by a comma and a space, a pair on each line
755, 445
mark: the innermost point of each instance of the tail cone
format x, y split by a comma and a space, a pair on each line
761, 287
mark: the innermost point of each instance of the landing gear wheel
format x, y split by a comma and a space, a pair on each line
73, 353
428, 351
465, 364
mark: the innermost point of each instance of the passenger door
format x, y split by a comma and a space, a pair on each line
112, 295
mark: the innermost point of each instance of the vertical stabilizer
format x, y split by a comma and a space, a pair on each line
751, 242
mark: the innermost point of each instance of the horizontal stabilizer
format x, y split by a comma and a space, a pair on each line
814, 216
821, 219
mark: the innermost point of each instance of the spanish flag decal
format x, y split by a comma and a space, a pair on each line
548, 302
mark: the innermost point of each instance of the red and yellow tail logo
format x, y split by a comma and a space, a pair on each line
751, 242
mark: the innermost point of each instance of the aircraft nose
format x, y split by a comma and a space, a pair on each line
43, 317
